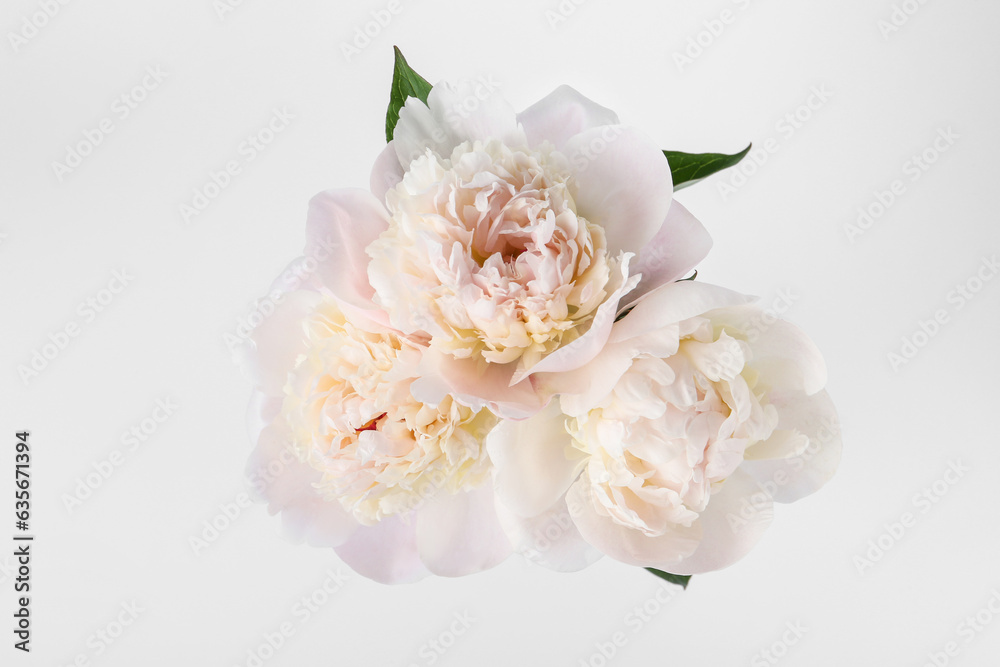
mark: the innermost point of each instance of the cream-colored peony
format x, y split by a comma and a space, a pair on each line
668, 449
398, 487
506, 242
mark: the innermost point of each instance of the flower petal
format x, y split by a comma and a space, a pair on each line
340, 225
679, 245
386, 173
277, 341
534, 461
475, 383
385, 552
622, 183
585, 348
459, 534
627, 544
582, 388
672, 303
550, 539
736, 518
278, 477
562, 114
473, 111
795, 477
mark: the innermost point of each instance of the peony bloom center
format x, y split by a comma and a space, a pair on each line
352, 418
486, 254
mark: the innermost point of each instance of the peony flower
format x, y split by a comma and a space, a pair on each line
668, 449
506, 242
347, 455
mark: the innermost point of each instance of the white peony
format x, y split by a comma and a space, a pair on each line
506, 242
668, 449
352, 460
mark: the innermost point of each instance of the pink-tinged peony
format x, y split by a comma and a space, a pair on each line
668, 449
506, 242
352, 460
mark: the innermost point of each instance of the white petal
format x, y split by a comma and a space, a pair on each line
459, 534
622, 183
562, 114
672, 303
550, 539
340, 225
783, 354
419, 130
627, 544
534, 461
679, 245
385, 552
582, 388
795, 477
736, 518
473, 111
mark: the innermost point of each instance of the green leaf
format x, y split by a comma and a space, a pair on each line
679, 579
691, 277
689, 168
405, 83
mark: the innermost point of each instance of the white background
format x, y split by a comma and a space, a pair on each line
162, 337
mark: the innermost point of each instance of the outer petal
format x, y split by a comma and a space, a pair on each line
419, 130
534, 461
672, 303
586, 347
385, 552
340, 225
550, 539
736, 518
792, 478
783, 354
622, 183
627, 544
475, 383
680, 244
386, 172
473, 111
276, 475
459, 534
278, 340
562, 114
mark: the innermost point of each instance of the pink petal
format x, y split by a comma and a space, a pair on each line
385, 552
622, 183
340, 225
459, 534
475, 383
386, 173
562, 114
277, 476
680, 244
534, 461
278, 340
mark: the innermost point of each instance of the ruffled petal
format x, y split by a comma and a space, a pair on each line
550, 539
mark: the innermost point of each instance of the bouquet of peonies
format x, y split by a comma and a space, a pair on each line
496, 350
